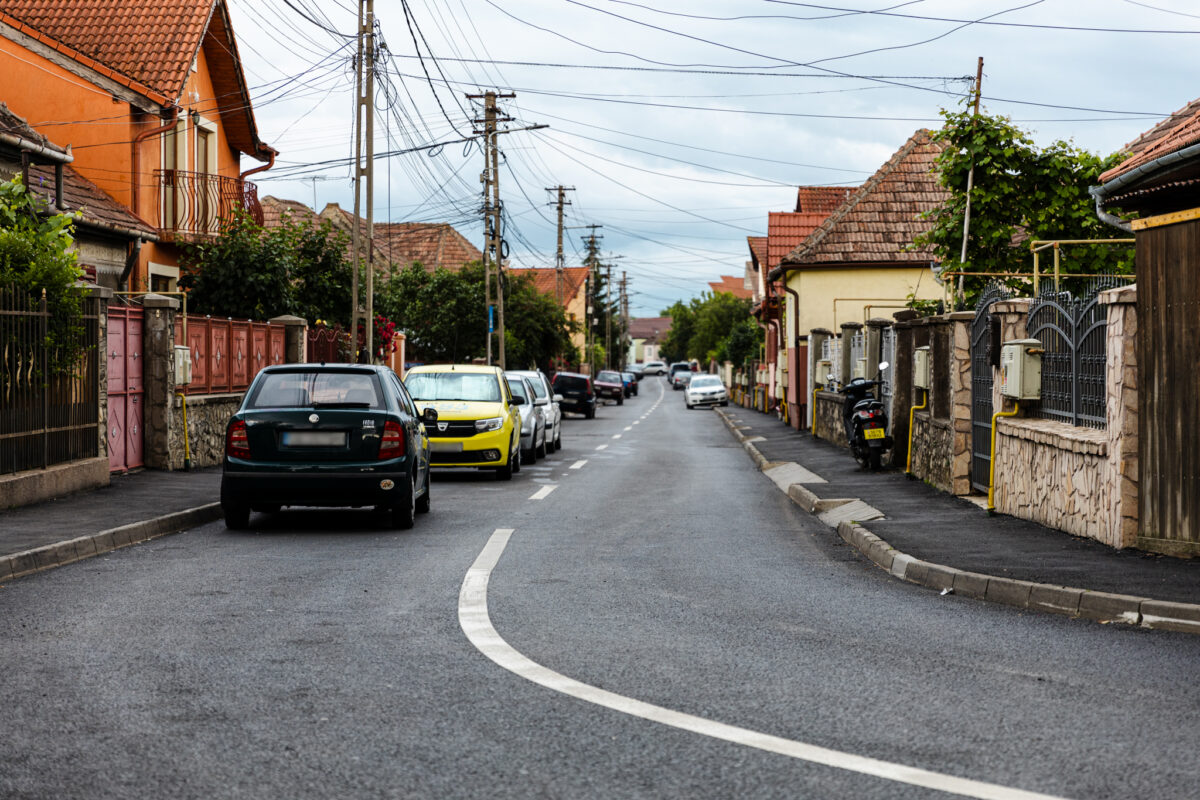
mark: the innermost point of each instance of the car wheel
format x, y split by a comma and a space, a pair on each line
620, 401
529, 456
237, 517
542, 450
505, 473
724, 402
423, 500
404, 511
558, 441
270, 508
591, 413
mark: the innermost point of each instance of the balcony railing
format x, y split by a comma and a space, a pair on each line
192, 205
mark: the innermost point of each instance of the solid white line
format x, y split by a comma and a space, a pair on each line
476, 623
601, 447
543, 493
579, 464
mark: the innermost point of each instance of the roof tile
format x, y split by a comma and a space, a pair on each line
1176, 132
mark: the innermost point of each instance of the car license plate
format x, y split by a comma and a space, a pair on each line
873, 433
313, 439
445, 447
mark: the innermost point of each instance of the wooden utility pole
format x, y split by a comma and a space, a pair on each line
493, 256
560, 262
592, 261
608, 316
970, 185
621, 362
362, 308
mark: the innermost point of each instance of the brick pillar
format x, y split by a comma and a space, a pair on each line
295, 350
958, 335
1122, 407
848, 331
158, 343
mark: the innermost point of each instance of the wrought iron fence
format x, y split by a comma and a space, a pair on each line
45, 417
887, 353
329, 345
858, 348
1073, 332
831, 351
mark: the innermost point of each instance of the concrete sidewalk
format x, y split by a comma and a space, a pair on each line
947, 543
133, 508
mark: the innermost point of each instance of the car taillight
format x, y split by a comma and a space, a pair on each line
392, 443
237, 443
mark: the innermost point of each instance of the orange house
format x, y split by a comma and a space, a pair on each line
151, 99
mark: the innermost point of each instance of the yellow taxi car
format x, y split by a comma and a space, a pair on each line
478, 424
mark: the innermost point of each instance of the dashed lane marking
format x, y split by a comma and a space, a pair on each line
476, 623
542, 493
578, 464
616, 436
601, 447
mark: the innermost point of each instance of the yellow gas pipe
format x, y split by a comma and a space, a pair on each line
912, 415
816, 388
991, 506
187, 450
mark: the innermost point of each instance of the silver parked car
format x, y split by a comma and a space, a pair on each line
533, 420
548, 401
705, 390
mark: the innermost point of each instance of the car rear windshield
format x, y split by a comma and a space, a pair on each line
609, 377
471, 387
317, 390
570, 382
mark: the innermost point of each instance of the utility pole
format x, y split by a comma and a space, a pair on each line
608, 316
622, 363
560, 263
592, 262
970, 184
493, 257
364, 167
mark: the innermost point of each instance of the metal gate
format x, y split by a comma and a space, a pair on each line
984, 356
126, 401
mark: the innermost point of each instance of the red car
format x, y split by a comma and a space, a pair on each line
610, 384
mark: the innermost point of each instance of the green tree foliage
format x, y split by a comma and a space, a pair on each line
743, 341
1020, 192
674, 346
536, 326
321, 275
701, 328
246, 272
442, 313
36, 255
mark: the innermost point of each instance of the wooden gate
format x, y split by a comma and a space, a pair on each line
126, 401
984, 356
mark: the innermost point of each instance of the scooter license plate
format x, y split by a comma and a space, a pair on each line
873, 433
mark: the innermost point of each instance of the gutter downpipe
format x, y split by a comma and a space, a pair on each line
272, 152
991, 506
136, 171
912, 412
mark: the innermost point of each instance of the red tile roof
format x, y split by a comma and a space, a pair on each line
650, 329
152, 42
877, 224
822, 199
732, 285
431, 244
758, 249
1176, 132
786, 230
546, 281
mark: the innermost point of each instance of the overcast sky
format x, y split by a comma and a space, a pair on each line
681, 123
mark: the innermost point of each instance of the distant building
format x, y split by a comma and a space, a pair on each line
646, 335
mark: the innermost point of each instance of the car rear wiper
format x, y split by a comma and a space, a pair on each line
341, 405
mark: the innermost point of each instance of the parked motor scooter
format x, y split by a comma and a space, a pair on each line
866, 421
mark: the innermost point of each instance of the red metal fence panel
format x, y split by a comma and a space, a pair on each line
226, 353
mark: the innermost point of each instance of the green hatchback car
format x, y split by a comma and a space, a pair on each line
326, 435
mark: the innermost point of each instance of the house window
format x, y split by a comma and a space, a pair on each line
174, 188
163, 278
207, 197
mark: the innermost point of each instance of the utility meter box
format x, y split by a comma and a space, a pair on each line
860, 368
921, 367
1021, 369
183, 365
821, 373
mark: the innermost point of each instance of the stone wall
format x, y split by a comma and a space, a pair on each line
828, 423
1053, 473
933, 450
207, 416
1122, 411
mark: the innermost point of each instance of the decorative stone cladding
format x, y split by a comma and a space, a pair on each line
828, 423
207, 416
1053, 473
1122, 409
933, 451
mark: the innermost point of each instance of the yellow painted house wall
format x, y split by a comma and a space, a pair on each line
885, 289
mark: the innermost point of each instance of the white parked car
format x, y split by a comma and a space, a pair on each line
547, 400
705, 390
533, 420
654, 368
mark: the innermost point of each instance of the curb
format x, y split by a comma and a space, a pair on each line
1103, 607
49, 556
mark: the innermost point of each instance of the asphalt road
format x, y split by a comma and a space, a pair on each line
664, 623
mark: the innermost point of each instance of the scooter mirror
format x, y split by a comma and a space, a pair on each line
883, 365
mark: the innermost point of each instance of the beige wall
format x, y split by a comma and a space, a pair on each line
886, 288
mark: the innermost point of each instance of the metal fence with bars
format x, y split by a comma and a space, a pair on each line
887, 353
227, 353
858, 349
1073, 332
46, 417
831, 351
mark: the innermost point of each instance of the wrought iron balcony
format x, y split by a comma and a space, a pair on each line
192, 205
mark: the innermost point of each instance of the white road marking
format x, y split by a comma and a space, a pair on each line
637, 422
629, 427
616, 436
476, 623
601, 447
542, 493
579, 464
